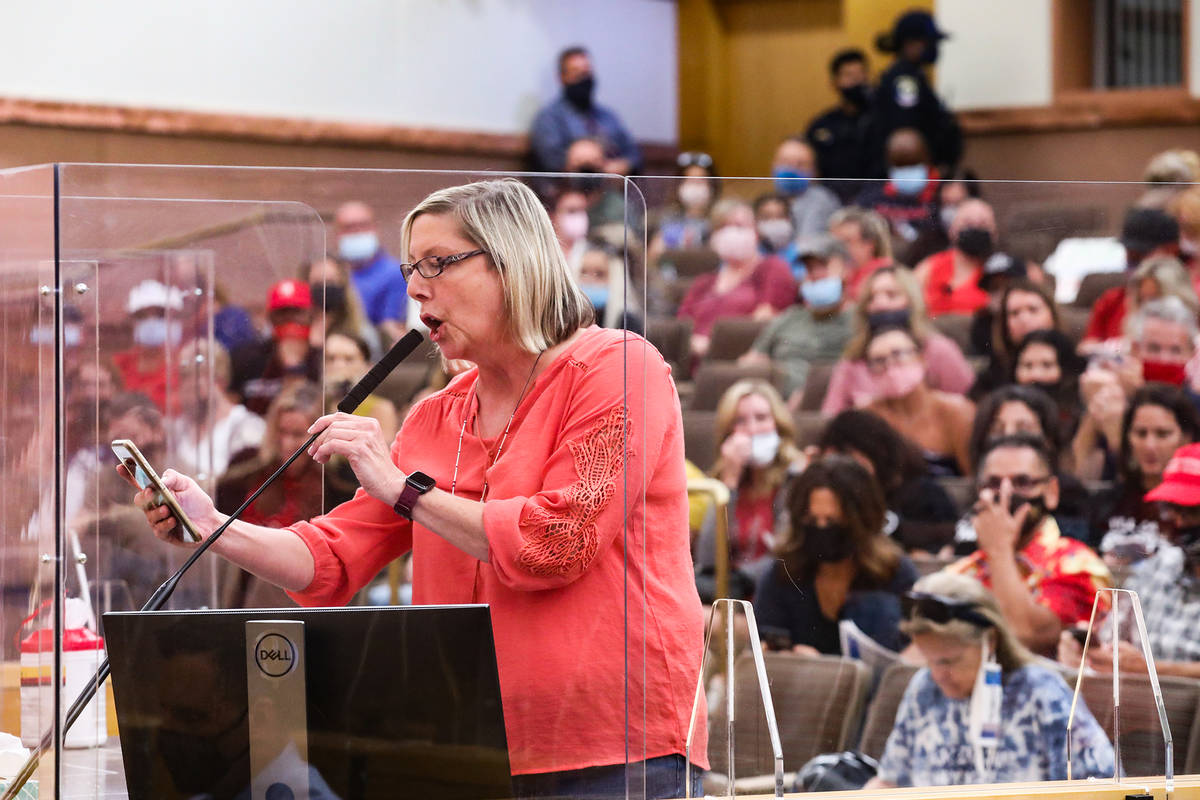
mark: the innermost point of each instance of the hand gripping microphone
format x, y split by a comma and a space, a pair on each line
369, 382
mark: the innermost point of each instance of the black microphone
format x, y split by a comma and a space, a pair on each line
400, 351
369, 382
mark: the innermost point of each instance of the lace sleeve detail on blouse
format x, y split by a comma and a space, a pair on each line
561, 539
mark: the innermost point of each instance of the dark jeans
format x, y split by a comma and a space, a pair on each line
654, 778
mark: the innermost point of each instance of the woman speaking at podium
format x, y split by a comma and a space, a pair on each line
548, 482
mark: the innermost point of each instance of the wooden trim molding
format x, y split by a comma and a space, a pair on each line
1084, 110
278, 130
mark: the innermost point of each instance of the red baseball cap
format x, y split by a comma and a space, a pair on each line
1181, 479
289, 294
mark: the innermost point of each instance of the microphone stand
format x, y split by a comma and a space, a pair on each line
348, 404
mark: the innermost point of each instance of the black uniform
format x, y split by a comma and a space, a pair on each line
904, 99
842, 143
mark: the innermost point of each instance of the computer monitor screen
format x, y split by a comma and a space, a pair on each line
401, 702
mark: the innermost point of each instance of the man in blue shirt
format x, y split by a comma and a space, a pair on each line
376, 275
575, 116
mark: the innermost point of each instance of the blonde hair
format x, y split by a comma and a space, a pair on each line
306, 398
918, 319
504, 217
722, 209
774, 474
871, 226
1010, 653
1172, 279
1185, 207
216, 355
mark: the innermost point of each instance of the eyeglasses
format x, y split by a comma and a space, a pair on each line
894, 358
432, 266
694, 159
1020, 483
939, 609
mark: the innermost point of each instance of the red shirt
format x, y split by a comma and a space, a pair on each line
1108, 316
771, 282
855, 282
157, 384
589, 573
942, 297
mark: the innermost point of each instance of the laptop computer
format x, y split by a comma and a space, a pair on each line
401, 702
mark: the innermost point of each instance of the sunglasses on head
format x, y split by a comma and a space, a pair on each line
940, 610
694, 159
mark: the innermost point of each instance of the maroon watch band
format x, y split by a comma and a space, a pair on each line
417, 484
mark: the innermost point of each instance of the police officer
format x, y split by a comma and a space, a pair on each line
904, 98
841, 135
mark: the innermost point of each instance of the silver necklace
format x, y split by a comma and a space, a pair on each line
504, 438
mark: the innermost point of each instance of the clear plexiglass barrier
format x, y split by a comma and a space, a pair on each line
786, 407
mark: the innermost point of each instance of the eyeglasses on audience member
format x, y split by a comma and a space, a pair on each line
901, 355
1021, 484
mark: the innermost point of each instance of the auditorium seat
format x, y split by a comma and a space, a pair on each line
405, 381
881, 713
818, 703
956, 327
672, 338
688, 262
714, 377
1073, 321
732, 336
816, 385
961, 491
700, 437
1095, 284
809, 425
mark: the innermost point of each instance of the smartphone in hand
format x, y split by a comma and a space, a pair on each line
144, 476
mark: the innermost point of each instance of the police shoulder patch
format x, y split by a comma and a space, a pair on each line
907, 91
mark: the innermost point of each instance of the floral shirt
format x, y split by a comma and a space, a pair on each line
929, 746
1062, 574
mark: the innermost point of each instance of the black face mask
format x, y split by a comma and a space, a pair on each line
1049, 388
334, 299
828, 543
975, 242
897, 318
930, 54
855, 95
1037, 511
579, 93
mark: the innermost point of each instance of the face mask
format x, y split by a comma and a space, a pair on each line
975, 242
763, 448
776, 232
735, 243
579, 93
827, 544
946, 214
1037, 511
896, 318
855, 95
1049, 388
573, 225
358, 248
822, 293
291, 330
156, 332
900, 380
694, 194
909, 180
983, 714
930, 54
790, 182
334, 296
1163, 372
597, 294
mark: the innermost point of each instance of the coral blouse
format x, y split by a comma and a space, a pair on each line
594, 607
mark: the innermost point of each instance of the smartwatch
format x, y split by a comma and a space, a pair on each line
417, 484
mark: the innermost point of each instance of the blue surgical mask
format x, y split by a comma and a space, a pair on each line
597, 294
822, 293
909, 180
790, 182
358, 247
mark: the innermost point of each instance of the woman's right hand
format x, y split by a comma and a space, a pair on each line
735, 455
191, 498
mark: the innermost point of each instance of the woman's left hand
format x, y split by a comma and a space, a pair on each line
360, 441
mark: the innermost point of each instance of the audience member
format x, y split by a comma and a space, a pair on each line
1185, 208
1042, 580
905, 98
835, 563
795, 171
841, 136
937, 422
576, 115
150, 366
261, 371
569, 215
89, 389
816, 328
1024, 307
1000, 271
757, 458
332, 291
346, 362
1162, 342
745, 283
603, 278
1047, 360
1165, 582
605, 196
940, 738
232, 326
1169, 173
210, 427
920, 515
776, 231
953, 190
685, 224
868, 244
1157, 422
1146, 232
908, 199
375, 274
890, 296
951, 278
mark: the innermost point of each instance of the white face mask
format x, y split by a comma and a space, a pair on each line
694, 193
736, 244
777, 232
573, 225
156, 332
983, 716
763, 448
358, 247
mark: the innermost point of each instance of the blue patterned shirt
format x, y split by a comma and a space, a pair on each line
929, 745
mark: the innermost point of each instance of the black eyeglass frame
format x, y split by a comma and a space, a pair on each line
439, 264
940, 609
